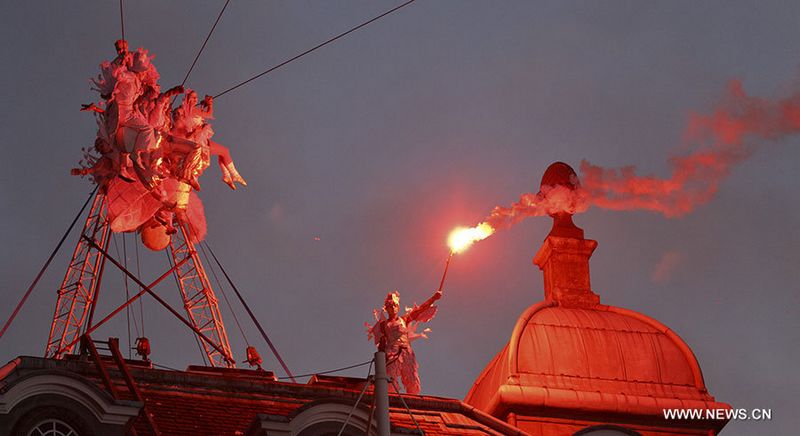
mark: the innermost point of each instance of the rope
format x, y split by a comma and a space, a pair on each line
224, 294
122, 18
204, 42
315, 48
329, 371
203, 353
371, 413
350, 415
113, 238
252, 316
46, 264
397, 389
139, 274
127, 295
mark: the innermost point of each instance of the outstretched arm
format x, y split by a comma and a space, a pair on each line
425, 308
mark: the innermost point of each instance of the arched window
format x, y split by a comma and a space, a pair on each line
330, 428
52, 427
606, 430
323, 417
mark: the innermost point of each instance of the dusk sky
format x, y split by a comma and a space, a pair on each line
362, 156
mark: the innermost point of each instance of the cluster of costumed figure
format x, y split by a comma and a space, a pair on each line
393, 334
148, 156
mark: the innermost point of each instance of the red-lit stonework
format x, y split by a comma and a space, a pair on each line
203, 401
573, 364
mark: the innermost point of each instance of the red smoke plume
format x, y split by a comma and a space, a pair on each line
721, 142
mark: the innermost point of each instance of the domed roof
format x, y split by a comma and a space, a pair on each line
604, 343
602, 358
572, 362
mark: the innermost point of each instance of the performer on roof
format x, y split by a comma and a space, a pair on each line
393, 334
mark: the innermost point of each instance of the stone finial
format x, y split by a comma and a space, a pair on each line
564, 255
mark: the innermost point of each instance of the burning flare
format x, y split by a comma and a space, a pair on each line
559, 192
462, 237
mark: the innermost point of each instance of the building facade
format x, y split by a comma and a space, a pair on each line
572, 366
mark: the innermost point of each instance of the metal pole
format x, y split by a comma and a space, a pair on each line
382, 395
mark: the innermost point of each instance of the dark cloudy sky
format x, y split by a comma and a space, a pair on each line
381, 143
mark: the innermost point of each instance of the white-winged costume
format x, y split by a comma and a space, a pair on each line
394, 337
144, 165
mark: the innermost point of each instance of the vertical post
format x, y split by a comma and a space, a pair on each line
382, 394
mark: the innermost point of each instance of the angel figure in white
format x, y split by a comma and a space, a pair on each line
393, 335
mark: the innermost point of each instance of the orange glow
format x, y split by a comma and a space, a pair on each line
462, 237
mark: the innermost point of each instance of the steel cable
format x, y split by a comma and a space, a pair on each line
252, 315
204, 43
358, 400
315, 48
46, 264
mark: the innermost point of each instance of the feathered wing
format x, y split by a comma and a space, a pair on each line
105, 81
415, 316
374, 331
412, 332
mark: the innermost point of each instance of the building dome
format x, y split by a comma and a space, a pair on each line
602, 344
600, 359
575, 366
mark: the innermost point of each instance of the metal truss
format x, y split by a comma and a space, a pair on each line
78, 290
199, 299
